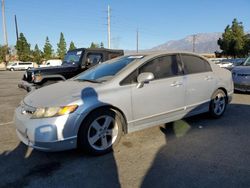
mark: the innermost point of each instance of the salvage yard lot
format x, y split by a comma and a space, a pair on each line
195, 152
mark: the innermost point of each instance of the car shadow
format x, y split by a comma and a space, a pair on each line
204, 152
24, 166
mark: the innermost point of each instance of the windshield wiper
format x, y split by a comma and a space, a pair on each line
87, 80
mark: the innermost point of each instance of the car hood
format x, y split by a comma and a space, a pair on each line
59, 94
242, 69
53, 69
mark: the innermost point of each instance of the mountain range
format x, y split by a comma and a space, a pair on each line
204, 43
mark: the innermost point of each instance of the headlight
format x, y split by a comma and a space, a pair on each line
38, 78
53, 111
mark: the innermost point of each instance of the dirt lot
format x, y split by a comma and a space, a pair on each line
195, 152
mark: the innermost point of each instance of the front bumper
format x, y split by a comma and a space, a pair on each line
242, 87
241, 83
52, 146
27, 86
46, 134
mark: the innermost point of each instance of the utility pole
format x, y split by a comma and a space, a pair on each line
4, 25
137, 41
16, 28
194, 38
108, 26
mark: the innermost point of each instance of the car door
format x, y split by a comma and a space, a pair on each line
200, 83
162, 99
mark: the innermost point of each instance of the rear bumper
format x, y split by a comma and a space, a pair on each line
27, 86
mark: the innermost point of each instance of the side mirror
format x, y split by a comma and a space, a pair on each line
144, 78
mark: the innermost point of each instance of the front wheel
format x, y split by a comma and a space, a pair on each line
218, 104
12, 69
100, 132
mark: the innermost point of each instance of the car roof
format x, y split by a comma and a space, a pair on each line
158, 53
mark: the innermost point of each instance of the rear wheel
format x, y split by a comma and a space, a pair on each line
100, 132
218, 103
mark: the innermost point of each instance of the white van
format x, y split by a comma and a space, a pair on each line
18, 65
52, 62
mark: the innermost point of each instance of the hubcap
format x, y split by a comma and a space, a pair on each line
219, 104
102, 132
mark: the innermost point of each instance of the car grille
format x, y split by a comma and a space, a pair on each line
243, 74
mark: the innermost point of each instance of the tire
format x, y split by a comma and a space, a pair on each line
100, 132
218, 103
12, 69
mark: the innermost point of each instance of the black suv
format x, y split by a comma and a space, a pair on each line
75, 62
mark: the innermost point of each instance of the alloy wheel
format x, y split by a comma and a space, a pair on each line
219, 103
102, 132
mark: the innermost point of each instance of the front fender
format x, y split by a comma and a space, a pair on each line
49, 77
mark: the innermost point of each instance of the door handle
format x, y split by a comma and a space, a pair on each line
176, 84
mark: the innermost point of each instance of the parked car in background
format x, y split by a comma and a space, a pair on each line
228, 63
238, 61
51, 63
225, 63
18, 65
241, 76
216, 60
75, 62
92, 110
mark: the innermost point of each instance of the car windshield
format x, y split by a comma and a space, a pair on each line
247, 62
72, 57
106, 70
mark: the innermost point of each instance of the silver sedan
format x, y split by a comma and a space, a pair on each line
241, 76
126, 94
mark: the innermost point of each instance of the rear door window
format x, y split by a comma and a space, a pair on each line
163, 67
194, 64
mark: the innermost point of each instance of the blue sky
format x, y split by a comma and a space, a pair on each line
84, 21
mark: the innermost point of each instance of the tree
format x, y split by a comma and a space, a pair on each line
247, 44
23, 48
4, 51
102, 45
47, 49
94, 45
233, 40
61, 47
37, 54
72, 46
